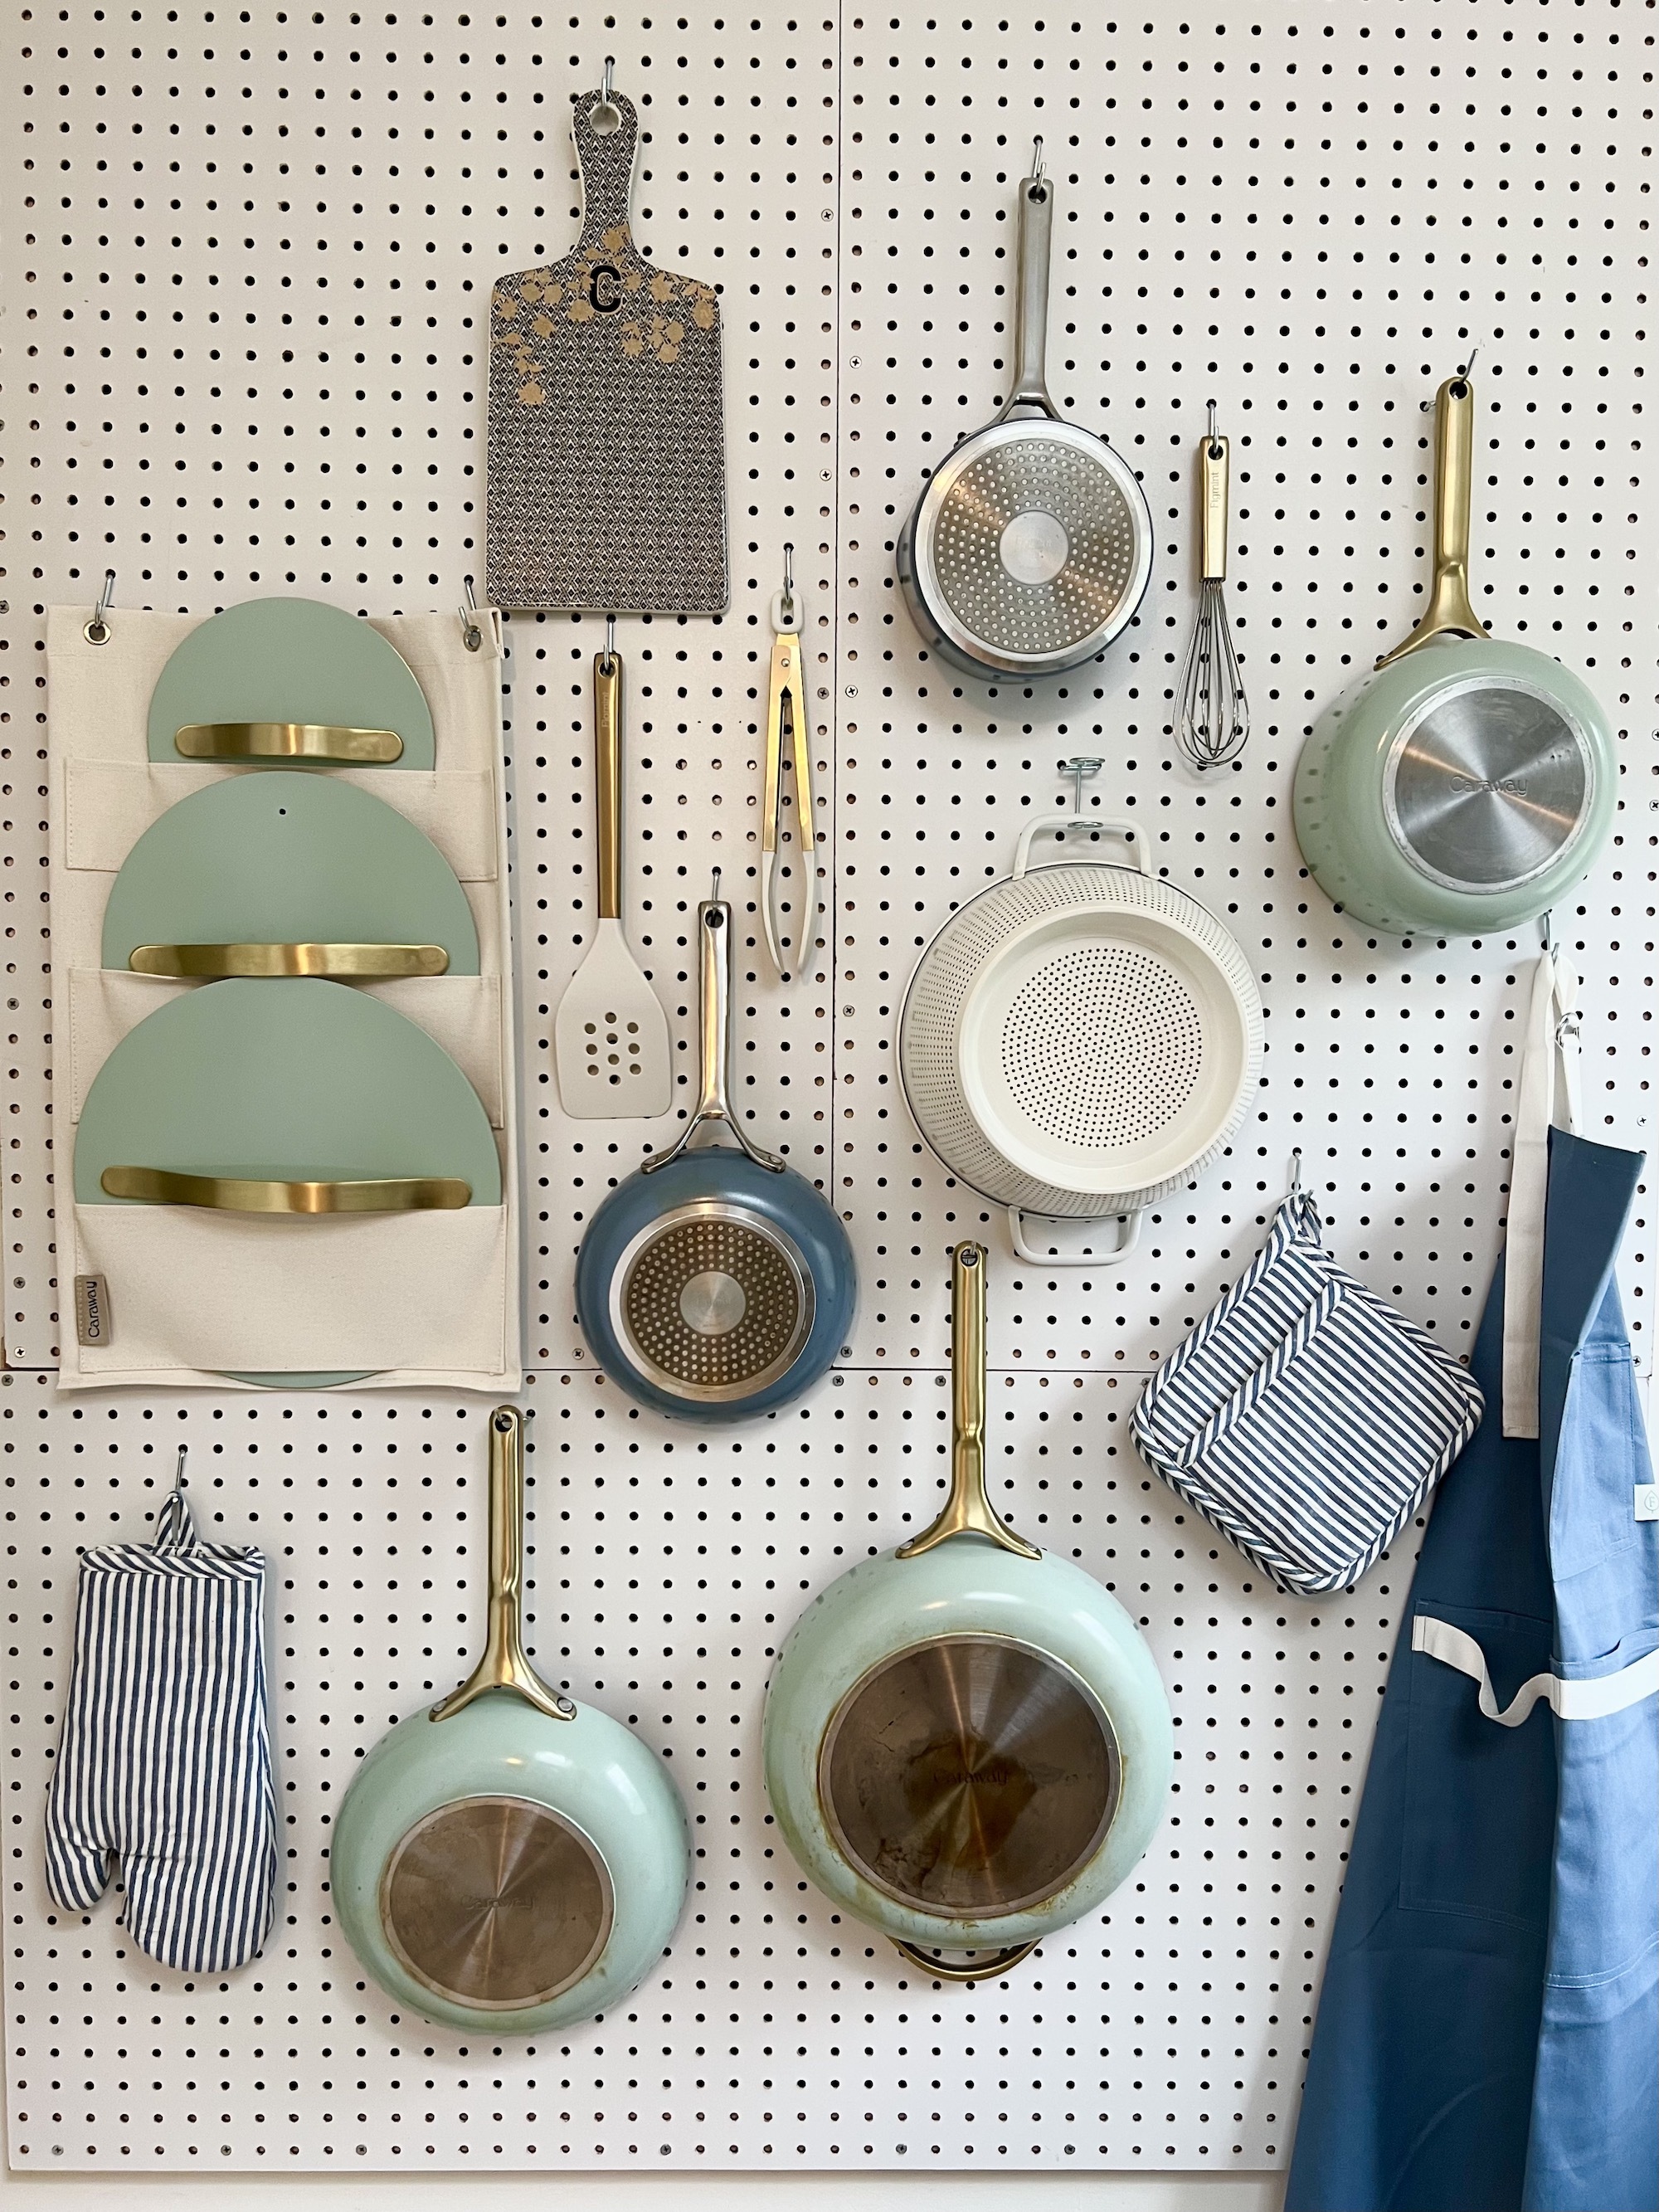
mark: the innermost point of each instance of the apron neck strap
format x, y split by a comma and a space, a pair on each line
1549, 1098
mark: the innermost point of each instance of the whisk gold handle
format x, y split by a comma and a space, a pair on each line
1212, 489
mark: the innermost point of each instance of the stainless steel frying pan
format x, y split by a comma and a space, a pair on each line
1031, 547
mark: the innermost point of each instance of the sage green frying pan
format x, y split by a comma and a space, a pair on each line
508, 1860
966, 1741
1466, 783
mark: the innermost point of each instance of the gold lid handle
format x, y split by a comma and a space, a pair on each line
504, 1666
362, 963
1449, 613
311, 741
968, 1510
254, 1194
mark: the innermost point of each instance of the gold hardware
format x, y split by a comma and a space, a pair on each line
607, 770
713, 1102
968, 1510
787, 731
1449, 613
361, 962
254, 1194
998, 1963
1212, 490
311, 741
504, 1666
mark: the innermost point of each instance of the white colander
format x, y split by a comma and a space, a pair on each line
1081, 1040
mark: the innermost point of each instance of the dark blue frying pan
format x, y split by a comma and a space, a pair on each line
716, 1285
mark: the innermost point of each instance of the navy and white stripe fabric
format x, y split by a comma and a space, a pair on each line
1304, 1418
165, 1758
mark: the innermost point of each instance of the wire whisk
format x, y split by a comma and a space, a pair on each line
1215, 714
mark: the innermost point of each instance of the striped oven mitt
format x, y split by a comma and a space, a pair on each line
1305, 1418
164, 1759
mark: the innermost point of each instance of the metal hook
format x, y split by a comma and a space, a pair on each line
1296, 1171
1469, 363
472, 636
715, 891
604, 118
1210, 437
97, 630
178, 1481
1036, 163
787, 596
1546, 933
609, 643
1079, 767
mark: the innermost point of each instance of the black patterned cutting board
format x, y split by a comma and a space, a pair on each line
607, 444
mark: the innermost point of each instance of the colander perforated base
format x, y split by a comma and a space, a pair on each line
712, 1302
1103, 1046
1081, 1040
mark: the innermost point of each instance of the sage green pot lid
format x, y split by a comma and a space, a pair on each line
289, 1080
285, 857
290, 660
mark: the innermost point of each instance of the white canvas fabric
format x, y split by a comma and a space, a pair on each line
428, 1299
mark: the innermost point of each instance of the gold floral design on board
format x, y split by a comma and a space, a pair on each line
528, 308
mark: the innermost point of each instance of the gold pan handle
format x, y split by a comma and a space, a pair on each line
968, 1510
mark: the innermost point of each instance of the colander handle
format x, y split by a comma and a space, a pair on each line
1128, 1237
1045, 824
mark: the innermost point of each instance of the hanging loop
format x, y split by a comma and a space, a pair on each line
97, 631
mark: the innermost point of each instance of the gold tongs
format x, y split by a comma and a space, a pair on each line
786, 730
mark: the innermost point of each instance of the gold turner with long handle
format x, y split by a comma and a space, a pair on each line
610, 1035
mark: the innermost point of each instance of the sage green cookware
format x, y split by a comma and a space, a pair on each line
287, 680
509, 1861
283, 1098
1466, 783
967, 1744
287, 874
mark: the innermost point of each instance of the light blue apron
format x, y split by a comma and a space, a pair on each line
1488, 2030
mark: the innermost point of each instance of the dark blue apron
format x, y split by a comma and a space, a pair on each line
1488, 2029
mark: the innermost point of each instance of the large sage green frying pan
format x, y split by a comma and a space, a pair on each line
966, 1742
1466, 783
509, 1861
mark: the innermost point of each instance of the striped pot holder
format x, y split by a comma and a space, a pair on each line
164, 1759
1304, 1418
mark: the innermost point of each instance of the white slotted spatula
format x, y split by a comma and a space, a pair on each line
610, 1035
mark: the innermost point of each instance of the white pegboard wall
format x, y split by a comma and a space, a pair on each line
244, 294
663, 1570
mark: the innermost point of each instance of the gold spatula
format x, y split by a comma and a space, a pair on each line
610, 1035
